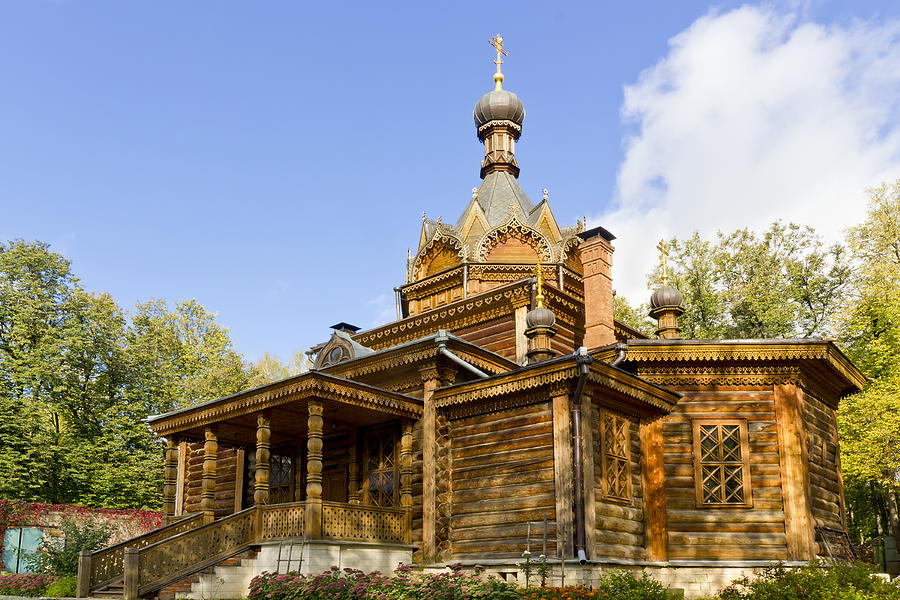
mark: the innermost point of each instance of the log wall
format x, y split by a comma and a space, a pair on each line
825, 486
724, 533
619, 529
502, 477
226, 468
497, 336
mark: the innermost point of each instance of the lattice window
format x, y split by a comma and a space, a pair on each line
281, 478
615, 445
380, 487
721, 463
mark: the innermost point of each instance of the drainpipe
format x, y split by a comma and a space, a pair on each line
441, 340
621, 352
583, 360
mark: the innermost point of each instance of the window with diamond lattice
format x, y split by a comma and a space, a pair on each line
379, 485
615, 446
281, 478
721, 463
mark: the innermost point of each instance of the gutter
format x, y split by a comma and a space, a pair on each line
441, 340
583, 360
621, 353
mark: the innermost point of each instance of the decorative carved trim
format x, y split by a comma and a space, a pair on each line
515, 228
745, 376
499, 123
302, 387
440, 235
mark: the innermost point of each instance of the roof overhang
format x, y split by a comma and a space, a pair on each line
818, 360
344, 400
542, 381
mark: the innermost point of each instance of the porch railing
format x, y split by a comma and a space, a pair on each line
147, 564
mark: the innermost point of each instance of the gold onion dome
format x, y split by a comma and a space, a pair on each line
666, 296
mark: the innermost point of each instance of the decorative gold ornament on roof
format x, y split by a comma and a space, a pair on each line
663, 253
497, 42
474, 193
539, 272
546, 194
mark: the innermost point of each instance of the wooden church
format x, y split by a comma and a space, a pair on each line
505, 410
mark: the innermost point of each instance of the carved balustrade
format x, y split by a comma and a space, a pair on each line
281, 521
108, 565
365, 523
175, 557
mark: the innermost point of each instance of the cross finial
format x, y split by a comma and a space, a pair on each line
546, 194
663, 253
497, 42
539, 272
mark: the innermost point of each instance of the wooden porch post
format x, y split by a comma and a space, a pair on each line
210, 459
434, 520
131, 574
406, 473
261, 476
312, 518
353, 469
171, 479
83, 580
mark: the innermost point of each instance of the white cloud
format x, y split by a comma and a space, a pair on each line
383, 309
753, 116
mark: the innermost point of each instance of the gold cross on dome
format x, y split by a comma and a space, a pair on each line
497, 42
663, 253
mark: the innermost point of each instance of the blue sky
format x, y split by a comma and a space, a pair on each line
273, 159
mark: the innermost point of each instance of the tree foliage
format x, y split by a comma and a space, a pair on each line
78, 375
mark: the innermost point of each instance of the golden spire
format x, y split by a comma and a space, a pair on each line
663, 253
540, 285
497, 42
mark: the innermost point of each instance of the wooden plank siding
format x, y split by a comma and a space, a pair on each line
619, 526
724, 533
502, 477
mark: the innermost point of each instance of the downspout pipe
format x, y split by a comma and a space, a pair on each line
583, 360
441, 340
621, 353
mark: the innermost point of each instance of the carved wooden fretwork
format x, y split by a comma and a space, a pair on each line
364, 523
442, 239
514, 229
107, 565
302, 387
721, 375
282, 521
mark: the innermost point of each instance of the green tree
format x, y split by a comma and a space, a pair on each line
782, 283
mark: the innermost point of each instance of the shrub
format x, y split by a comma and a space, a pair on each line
351, 584
64, 587
618, 585
814, 582
60, 555
25, 584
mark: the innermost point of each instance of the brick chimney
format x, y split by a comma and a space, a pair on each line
596, 257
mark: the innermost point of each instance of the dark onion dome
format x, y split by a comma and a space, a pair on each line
666, 296
499, 105
540, 317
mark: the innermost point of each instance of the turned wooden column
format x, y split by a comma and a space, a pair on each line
353, 469
312, 518
210, 458
171, 479
261, 476
406, 473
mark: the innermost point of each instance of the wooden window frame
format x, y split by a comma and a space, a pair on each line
365, 472
745, 463
629, 484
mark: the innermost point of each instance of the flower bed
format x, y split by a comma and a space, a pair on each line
25, 584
